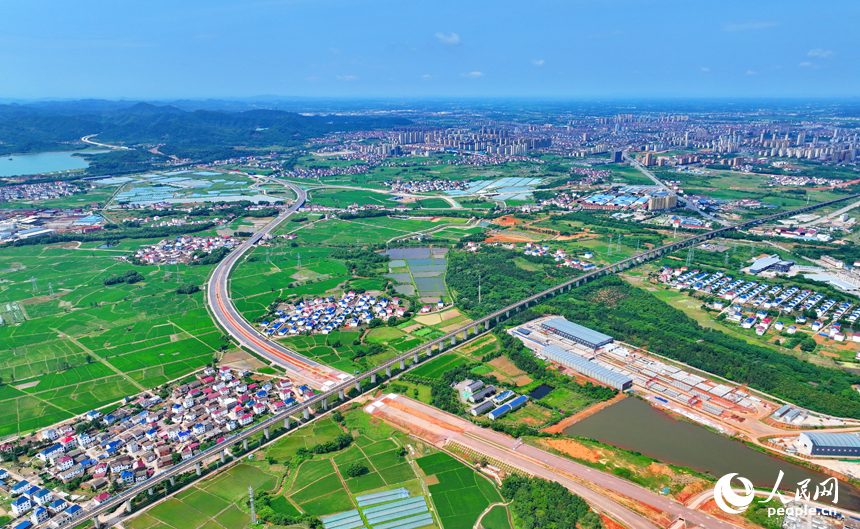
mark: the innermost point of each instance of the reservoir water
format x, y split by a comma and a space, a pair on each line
636, 425
43, 162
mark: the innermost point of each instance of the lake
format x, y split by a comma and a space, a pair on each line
636, 425
540, 392
43, 162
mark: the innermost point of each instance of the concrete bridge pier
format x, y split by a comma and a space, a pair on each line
197, 469
402, 364
266, 431
498, 319
97, 523
465, 334
307, 413
429, 351
128, 505
441, 346
223, 459
475, 330
172, 483
453, 340
388, 371
415, 358
341, 395
373, 378
487, 325
358, 385
325, 407
150, 491
508, 313
245, 444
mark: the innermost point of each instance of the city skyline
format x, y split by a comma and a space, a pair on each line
386, 50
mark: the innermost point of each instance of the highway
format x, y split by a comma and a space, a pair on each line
218, 298
225, 313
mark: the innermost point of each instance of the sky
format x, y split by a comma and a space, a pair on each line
157, 49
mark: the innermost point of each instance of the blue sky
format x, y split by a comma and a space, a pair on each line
158, 49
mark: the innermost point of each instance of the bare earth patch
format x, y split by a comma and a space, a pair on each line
27, 385
574, 449
450, 314
504, 364
429, 319
73, 245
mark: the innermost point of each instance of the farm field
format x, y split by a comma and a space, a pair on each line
421, 274
211, 504
461, 494
88, 344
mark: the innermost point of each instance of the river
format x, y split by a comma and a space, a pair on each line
43, 162
636, 425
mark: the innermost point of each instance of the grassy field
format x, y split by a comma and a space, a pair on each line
497, 518
87, 344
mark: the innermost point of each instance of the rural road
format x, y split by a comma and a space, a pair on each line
225, 313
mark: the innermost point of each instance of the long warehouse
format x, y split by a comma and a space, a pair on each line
588, 368
576, 333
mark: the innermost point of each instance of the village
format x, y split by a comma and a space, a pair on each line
55, 475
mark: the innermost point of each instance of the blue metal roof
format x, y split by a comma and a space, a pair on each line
841, 440
584, 333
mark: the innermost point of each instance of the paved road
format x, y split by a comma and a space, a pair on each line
687, 203
86, 139
222, 301
225, 313
542, 464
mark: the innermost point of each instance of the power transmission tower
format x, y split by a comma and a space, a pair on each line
637, 245
253, 513
479, 288
35, 286
50, 289
726, 259
267, 256
752, 249
689, 257
610, 246
299, 261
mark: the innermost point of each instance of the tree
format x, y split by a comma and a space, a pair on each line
187, 288
356, 469
392, 321
374, 323
337, 416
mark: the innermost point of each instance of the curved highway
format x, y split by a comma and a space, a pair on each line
218, 297
225, 313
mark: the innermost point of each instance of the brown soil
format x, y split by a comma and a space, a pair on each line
507, 220
450, 314
609, 523
574, 449
691, 491
43, 299
73, 245
523, 380
431, 480
504, 364
421, 415
575, 418
660, 470
507, 238
710, 507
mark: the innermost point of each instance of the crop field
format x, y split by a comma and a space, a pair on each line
211, 504
461, 494
436, 367
87, 344
497, 518
341, 198
344, 233
434, 203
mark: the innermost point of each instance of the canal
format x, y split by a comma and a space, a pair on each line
636, 425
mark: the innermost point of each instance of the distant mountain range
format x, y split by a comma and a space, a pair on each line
186, 132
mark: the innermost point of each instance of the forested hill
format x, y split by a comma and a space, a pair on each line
197, 134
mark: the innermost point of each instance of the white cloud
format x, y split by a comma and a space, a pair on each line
426, 76
537, 62
704, 69
818, 52
449, 39
336, 51
747, 26
473, 75
347, 77
806, 64
752, 72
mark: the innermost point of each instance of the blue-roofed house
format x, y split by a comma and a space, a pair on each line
40, 514
127, 477
43, 497
21, 505
58, 505
24, 525
20, 487
51, 452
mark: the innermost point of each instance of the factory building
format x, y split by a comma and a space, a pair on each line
482, 394
504, 409
588, 368
772, 263
482, 408
576, 333
830, 444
